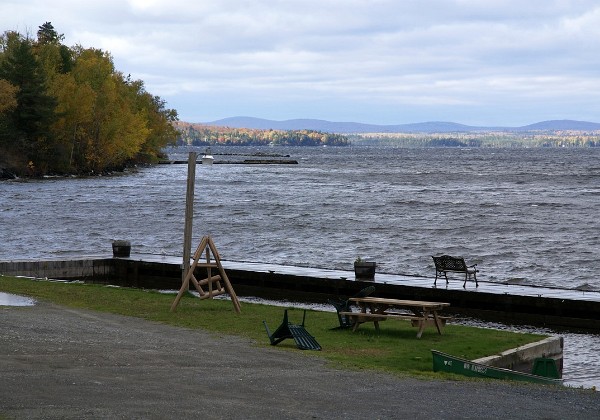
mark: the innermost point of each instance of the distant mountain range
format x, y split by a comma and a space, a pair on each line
424, 127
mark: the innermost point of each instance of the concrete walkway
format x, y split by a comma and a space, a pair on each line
76, 364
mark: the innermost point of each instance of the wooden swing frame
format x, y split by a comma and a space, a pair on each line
215, 287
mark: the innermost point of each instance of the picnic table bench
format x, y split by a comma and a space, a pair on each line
446, 263
421, 313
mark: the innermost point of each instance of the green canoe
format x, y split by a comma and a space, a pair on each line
443, 362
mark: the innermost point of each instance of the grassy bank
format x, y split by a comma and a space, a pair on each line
394, 349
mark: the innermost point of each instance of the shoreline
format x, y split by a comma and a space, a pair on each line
570, 309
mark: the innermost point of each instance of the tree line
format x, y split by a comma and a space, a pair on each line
67, 110
555, 139
201, 135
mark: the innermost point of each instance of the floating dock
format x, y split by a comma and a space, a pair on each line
249, 159
509, 303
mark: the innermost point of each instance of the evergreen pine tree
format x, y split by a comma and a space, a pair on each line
34, 113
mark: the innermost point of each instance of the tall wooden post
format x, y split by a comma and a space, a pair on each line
189, 214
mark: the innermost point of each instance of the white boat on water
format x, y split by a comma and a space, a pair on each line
207, 158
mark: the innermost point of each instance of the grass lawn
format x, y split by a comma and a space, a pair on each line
394, 349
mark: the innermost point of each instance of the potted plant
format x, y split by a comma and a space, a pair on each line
364, 270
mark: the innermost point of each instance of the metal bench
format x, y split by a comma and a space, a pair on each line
304, 341
445, 264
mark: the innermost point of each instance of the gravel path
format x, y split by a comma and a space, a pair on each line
77, 364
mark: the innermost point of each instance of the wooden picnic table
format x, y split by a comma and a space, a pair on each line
420, 313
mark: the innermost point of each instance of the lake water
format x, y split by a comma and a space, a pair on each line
528, 216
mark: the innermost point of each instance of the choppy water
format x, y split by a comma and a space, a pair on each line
523, 215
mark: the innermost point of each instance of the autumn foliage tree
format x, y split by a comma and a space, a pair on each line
199, 134
68, 110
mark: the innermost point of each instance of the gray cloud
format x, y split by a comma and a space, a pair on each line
492, 62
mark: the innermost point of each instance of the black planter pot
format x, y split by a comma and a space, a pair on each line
365, 270
121, 249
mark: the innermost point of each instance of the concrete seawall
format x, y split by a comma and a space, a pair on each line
522, 358
496, 302
59, 269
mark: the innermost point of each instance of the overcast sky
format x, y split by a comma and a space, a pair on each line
476, 62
